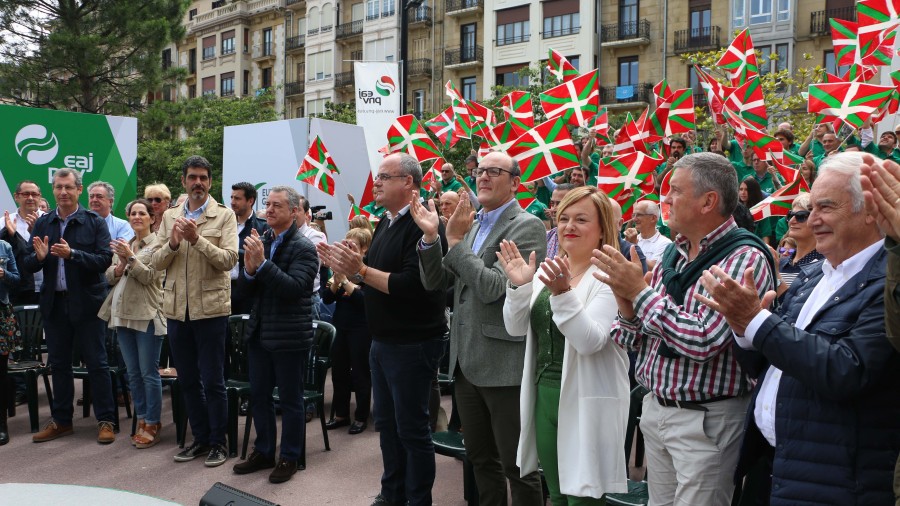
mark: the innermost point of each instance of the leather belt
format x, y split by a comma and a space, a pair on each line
692, 405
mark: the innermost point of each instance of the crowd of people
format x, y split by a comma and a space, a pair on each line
768, 349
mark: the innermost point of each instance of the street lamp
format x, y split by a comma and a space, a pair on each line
404, 47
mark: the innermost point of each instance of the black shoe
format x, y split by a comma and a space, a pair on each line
217, 456
245, 407
381, 501
255, 462
192, 452
21, 398
357, 427
335, 423
4, 433
283, 471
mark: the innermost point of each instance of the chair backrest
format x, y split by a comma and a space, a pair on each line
238, 361
634, 417
32, 328
319, 356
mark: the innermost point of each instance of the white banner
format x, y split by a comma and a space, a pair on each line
377, 104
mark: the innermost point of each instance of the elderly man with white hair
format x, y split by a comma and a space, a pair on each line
645, 234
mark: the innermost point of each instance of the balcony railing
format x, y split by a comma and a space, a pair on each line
421, 14
616, 32
463, 54
263, 50
386, 13
420, 67
700, 99
167, 64
697, 39
514, 40
572, 30
818, 20
356, 55
295, 88
344, 79
349, 29
462, 5
371, 16
289, 3
295, 42
625, 94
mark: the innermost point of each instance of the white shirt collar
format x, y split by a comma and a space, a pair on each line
851, 266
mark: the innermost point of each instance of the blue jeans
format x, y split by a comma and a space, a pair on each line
140, 350
198, 347
62, 333
401, 386
286, 370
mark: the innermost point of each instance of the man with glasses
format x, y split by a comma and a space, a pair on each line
448, 179
71, 246
407, 325
17, 233
645, 234
100, 199
485, 360
559, 193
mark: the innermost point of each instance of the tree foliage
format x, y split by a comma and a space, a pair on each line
101, 56
169, 132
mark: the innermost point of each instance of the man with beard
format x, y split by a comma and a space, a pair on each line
243, 198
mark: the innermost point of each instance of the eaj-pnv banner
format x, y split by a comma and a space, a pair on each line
35, 143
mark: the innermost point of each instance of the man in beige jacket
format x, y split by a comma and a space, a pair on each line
198, 249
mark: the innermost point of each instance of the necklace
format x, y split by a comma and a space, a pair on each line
582, 272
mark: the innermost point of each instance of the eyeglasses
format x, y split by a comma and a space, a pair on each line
387, 177
491, 171
786, 250
29, 194
638, 215
155, 200
800, 216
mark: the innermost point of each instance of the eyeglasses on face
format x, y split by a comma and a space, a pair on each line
33, 195
387, 177
800, 216
638, 215
786, 250
491, 171
155, 200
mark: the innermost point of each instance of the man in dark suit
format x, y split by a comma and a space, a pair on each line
486, 361
71, 246
243, 198
278, 279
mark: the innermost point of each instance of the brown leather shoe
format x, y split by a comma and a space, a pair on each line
106, 433
52, 431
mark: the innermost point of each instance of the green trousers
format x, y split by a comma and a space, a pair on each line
546, 424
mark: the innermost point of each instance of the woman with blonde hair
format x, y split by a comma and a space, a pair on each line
133, 308
159, 197
574, 398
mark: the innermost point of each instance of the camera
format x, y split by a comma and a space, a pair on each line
319, 213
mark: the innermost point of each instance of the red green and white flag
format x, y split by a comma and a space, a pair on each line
433, 174
501, 137
843, 38
739, 60
442, 127
662, 92
853, 102
600, 127
524, 197
575, 101
462, 120
317, 167
406, 135
620, 175
792, 159
655, 123
876, 19
482, 118
545, 149
452, 92
518, 111
629, 138
749, 103
681, 112
765, 146
780, 202
788, 173
715, 94
559, 67
859, 72
877, 48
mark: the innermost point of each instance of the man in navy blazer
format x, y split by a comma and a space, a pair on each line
824, 416
71, 246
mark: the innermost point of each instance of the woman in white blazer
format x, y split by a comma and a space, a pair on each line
574, 396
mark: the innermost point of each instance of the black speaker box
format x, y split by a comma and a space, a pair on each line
222, 495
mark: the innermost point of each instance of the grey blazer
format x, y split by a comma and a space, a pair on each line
486, 354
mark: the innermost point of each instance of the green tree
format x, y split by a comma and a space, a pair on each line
169, 132
101, 56
341, 112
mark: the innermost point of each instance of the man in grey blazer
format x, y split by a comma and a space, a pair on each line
486, 361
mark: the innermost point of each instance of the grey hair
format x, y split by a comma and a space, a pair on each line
712, 172
514, 169
409, 166
650, 207
847, 164
69, 172
110, 191
293, 196
802, 201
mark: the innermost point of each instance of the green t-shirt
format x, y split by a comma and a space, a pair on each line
537, 208
743, 171
452, 186
543, 195
764, 227
734, 153
893, 156
766, 183
781, 228
373, 209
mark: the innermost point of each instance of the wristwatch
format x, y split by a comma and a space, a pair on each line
360, 276
131, 259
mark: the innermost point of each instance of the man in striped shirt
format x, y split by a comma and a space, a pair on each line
693, 416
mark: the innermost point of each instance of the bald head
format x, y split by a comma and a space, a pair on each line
449, 201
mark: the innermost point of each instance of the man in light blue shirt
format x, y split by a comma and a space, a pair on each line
100, 199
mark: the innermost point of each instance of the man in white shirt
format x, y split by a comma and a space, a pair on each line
100, 200
824, 417
17, 232
645, 234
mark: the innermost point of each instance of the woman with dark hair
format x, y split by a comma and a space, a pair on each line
133, 308
9, 329
750, 194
